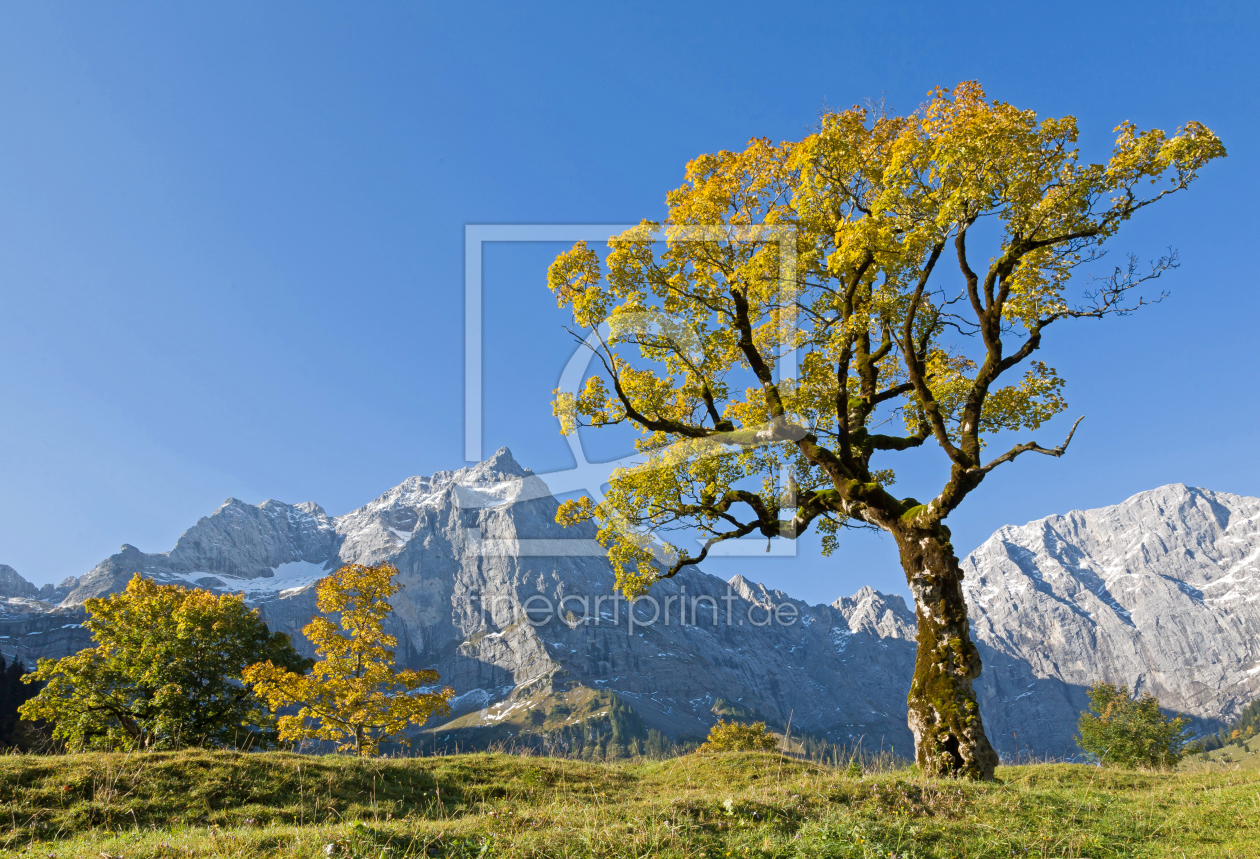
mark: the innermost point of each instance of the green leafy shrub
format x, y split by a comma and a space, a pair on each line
1122, 730
735, 737
165, 673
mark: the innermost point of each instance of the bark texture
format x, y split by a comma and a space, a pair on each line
944, 716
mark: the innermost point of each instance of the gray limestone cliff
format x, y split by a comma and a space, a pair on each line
477, 548
238, 540
1161, 592
13, 585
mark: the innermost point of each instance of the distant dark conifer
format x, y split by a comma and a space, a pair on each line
13, 693
1246, 726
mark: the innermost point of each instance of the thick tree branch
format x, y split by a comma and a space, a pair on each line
768, 523
655, 424
893, 442
892, 393
914, 365
751, 354
969, 277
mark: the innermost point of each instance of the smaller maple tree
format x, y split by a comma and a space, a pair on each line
736, 737
164, 672
354, 695
1132, 731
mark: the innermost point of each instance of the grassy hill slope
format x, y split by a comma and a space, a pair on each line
737, 805
1238, 755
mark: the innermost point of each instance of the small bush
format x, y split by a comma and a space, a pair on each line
1122, 730
734, 737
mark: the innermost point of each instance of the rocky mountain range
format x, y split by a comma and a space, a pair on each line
1160, 592
518, 614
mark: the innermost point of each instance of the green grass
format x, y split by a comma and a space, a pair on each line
1240, 754
482, 805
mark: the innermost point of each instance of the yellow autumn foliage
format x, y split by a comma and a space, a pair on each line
354, 695
737, 737
792, 319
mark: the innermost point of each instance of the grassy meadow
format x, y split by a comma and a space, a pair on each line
1241, 754
227, 804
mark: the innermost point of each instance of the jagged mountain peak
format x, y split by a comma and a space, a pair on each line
500, 470
243, 541
19, 596
755, 592
1193, 535
865, 594
1174, 507
501, 466
885, 615
13, 585
869, 599
310, 508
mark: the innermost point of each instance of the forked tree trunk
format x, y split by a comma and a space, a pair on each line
949, 738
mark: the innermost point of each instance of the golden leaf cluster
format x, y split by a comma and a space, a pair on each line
809, 307
737, 737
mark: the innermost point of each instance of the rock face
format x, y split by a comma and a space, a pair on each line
13, 585
1160, 592
511, 608
238, 540
31, 628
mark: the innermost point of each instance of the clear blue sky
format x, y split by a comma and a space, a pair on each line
231, 255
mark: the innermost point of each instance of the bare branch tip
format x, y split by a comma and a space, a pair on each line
1063, 447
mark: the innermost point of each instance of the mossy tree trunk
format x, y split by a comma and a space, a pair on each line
944, 716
